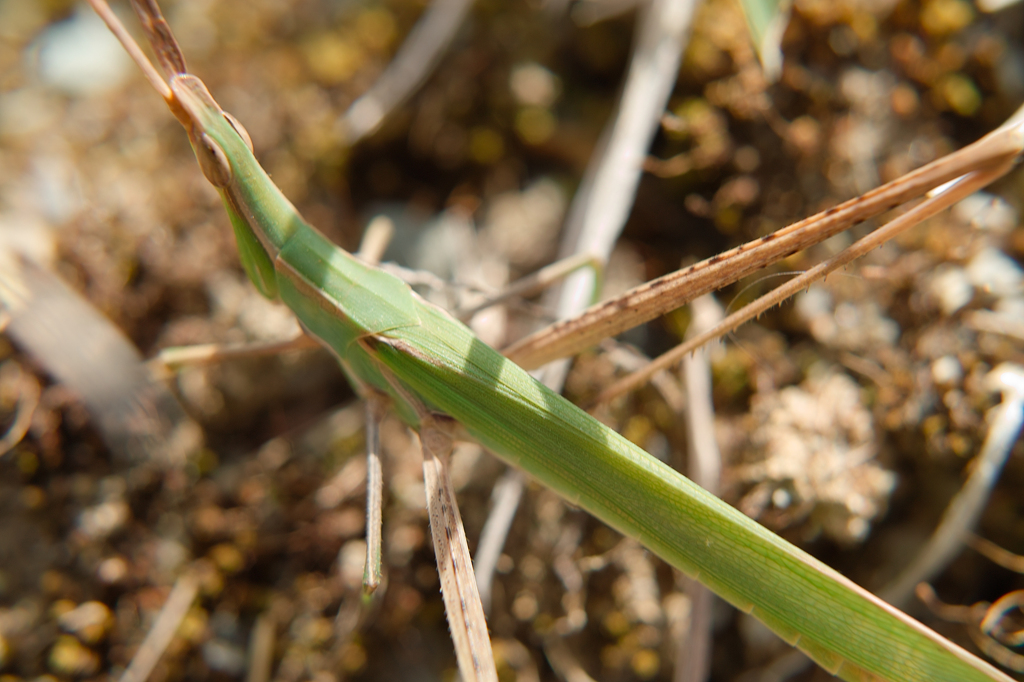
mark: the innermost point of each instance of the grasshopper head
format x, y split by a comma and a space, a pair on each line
261, 216
209, 128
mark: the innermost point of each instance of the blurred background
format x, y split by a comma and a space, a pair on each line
846, 419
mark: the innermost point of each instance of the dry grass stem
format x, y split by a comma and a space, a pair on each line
454, 562
179, 601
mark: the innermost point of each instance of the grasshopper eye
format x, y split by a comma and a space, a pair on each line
240, 129
213, 161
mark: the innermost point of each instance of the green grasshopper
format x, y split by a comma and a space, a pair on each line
396, 348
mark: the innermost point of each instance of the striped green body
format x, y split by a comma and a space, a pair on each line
439, 360
370, 319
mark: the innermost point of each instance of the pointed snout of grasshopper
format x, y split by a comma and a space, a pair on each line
208, 126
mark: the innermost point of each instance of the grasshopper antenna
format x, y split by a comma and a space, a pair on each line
138, 56
168, 52
171, 59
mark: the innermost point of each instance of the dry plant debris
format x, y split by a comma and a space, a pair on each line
816, 451
97, 182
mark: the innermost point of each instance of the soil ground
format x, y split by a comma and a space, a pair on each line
878, 376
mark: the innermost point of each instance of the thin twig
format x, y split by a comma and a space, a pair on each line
261, 648
507, 493
536, 281
974, 617
991, 625
563, 662
996, 554
28, 401
693, 658
602, 205
963, 512
412, 64
160, 635
201, 355
995, 323
376, 238
454, 564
